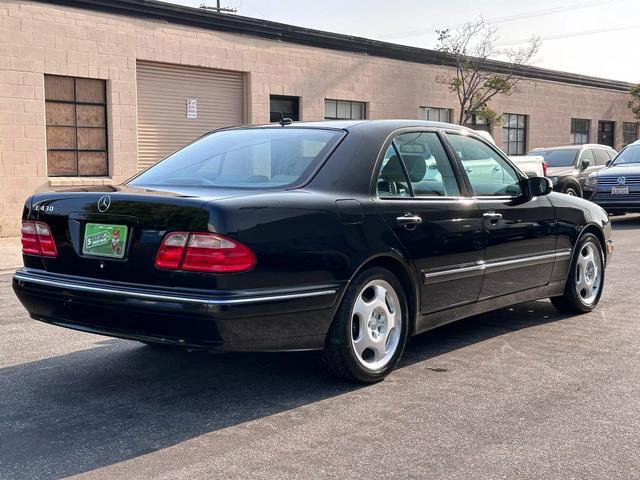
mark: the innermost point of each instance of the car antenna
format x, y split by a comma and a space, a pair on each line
284, 120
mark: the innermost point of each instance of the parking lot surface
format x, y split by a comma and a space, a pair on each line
522, 392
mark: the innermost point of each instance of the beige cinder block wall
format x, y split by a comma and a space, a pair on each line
39, 38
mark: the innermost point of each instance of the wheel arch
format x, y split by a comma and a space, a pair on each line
575, 184
408, 280
599, 234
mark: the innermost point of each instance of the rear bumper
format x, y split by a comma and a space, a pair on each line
278, 319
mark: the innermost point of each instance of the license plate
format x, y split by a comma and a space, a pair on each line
104, 240
619, 190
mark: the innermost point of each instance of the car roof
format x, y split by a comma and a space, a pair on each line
387, 123
568, 147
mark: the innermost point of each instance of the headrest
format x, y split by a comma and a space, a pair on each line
392, 171
416, 166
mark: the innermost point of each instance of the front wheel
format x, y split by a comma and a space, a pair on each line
586, 278
369, 332
573, 191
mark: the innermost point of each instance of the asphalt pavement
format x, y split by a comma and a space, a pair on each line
523, 392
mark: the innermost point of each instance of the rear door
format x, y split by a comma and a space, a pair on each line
421, 199
520, 232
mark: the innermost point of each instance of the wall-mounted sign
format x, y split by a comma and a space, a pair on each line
192, 108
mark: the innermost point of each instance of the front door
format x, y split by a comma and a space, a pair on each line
606, 133
420, 199
520, 232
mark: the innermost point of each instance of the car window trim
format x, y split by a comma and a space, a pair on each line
465, 194
519, 174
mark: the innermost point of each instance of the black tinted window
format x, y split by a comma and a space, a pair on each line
565, 157
256, 158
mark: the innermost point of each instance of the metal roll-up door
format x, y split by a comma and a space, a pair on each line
164, 125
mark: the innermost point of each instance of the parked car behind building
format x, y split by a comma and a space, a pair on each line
570, 165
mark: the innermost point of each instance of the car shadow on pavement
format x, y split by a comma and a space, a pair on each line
93, 408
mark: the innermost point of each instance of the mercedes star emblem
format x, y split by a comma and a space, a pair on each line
104, 203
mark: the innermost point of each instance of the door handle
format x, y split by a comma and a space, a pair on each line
409, 219
492, 217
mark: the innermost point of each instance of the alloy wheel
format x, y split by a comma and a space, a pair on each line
376, 324
588, 273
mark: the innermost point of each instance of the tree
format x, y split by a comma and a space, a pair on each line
634, 104
474, 50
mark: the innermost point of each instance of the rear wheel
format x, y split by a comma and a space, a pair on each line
586, 278
369, 332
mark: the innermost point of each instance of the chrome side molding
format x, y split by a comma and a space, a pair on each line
465, 271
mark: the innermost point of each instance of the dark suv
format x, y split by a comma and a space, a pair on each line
570, 165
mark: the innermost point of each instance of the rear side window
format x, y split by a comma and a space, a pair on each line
488, 173
249, 158
417, 162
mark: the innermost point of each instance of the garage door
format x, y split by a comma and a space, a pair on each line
177, 104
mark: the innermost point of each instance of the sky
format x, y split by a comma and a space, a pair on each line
590, 37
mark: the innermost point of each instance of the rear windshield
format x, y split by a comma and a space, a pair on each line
558, 158
249, 158
631, 154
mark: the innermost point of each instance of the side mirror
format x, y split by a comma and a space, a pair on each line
537, 186
586, 163
608, 164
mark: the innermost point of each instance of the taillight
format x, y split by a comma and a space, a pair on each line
37, 239
545, 168
203, 252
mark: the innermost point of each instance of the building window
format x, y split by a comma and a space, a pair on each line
580, 131
344, 110
629, 132
76, 115
435, 114
514, 133
289, 107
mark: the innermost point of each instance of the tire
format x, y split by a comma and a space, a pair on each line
572, 190
586, 278
370, 328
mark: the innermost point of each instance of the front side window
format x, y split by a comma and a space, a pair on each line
76, 120
435, 114
580, 131
601, 155
587, 154
514, 133
416, 163
488, 173
244, 158
629, 132
344, 110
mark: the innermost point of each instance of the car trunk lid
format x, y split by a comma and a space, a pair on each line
114, 233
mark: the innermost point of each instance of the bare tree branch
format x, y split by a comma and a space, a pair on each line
473, 47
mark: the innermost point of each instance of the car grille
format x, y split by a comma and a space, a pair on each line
629, 180
634, 196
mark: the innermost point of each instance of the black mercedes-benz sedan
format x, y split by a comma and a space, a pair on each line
617, 186
346, 237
